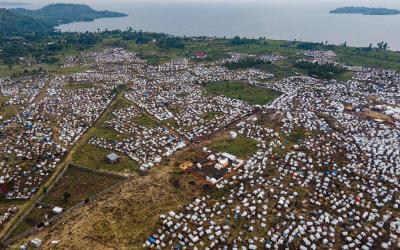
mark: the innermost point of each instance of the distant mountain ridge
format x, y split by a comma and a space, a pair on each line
60, 13
12, 24
365, 11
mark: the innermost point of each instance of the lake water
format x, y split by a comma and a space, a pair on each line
307, 20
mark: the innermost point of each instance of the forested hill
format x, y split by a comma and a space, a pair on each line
56, 14
12, 24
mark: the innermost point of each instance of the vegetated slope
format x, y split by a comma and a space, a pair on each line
56, 14
13, 24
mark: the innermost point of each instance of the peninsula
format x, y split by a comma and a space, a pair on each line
57, 14
24, 22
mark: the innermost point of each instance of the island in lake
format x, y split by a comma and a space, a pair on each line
365, 11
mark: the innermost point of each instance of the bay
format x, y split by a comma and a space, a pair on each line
305, 20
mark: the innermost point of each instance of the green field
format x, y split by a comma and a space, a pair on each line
72, 86
241, 147
36, 216
8, 111
154, 54
209, 116
81, 184
95, 157
101, 128
244, 92
345, 76
145, 121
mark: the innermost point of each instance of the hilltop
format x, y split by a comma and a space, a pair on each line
56, 14
12, 24
365, 11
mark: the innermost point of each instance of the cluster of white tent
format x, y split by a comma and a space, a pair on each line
328, 176
74, 110
272, 58
320, 56
100, 58
53, 117
29, 154
187, 105
236, 57
7, 215
22, 91
145, 145
324, 174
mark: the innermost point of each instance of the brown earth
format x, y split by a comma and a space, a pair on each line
124, 218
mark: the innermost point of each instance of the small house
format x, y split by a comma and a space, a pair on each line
229, 156
233, 135
184, 166
36, 243
200, 55
57, 210
112, 158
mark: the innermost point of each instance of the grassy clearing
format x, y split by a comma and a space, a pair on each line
145, 121
81, 184
242, 147
154, 54
95, 157
345, 76
9, 111
5, 204
101, 129
280, 69
3, 99
241, 91
36, 216
69, 70
170, 123
107, 133
73, 86
6, 71
209, 116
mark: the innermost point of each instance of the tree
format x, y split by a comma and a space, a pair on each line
66, 196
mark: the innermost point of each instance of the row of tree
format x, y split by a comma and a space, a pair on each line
245, 63
323, 71
43, 48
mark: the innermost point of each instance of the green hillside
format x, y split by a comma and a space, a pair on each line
12, 24
56, 14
